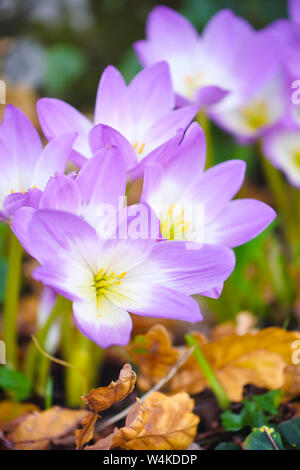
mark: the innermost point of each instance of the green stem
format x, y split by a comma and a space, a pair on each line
32, 355
282, 194
86, 356
208, 372
11, 300
205, 123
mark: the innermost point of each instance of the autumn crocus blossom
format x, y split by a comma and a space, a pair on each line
225, 64
25, 165
177, 178
106, 279
136, 118
282, 148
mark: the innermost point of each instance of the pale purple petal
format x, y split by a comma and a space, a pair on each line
13, 202
54, 234
112, 103
61, 193
102, 136
294, 11
170, 31
216, 187
22, 142
239, 222
175, 266
20, 223
55, 274
214, 292
146, 52
176, 167
57, 117
209, 95
167, 148
168, 125
53, 159
151, 96
106, 324
223, 34
102, 180
153, 300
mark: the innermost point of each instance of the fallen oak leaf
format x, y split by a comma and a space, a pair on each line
260, 358
38, 429
101, 398
86, 433
159, 423
154, 354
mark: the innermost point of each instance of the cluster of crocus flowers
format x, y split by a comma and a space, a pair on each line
149, 258
243, 78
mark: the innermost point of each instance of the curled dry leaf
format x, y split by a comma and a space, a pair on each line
38, 429
86, 433
160, 423
260, 359
101, 398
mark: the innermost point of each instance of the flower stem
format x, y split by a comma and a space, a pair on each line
205, 123
208, 372
31, 359
11, 300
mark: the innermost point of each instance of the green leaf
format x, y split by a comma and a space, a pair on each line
258, 439
232, 421
290, 431
269, 401
227, 446
15, 382
254, 416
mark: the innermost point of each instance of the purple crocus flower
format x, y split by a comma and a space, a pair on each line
107, 278
226, 63
25, 165
178, 178
282, 147
137, 118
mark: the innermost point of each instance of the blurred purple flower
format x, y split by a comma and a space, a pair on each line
282, 147
25, 165
228, 62
106, 279
136, 118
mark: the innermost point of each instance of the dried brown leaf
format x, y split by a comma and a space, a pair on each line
40, 428
86, 433
160, 423
259, 358
101, 398
154, 354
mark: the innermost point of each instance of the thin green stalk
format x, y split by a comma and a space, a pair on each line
205, 123
11, 300
88, 357
208, 372
31, 360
